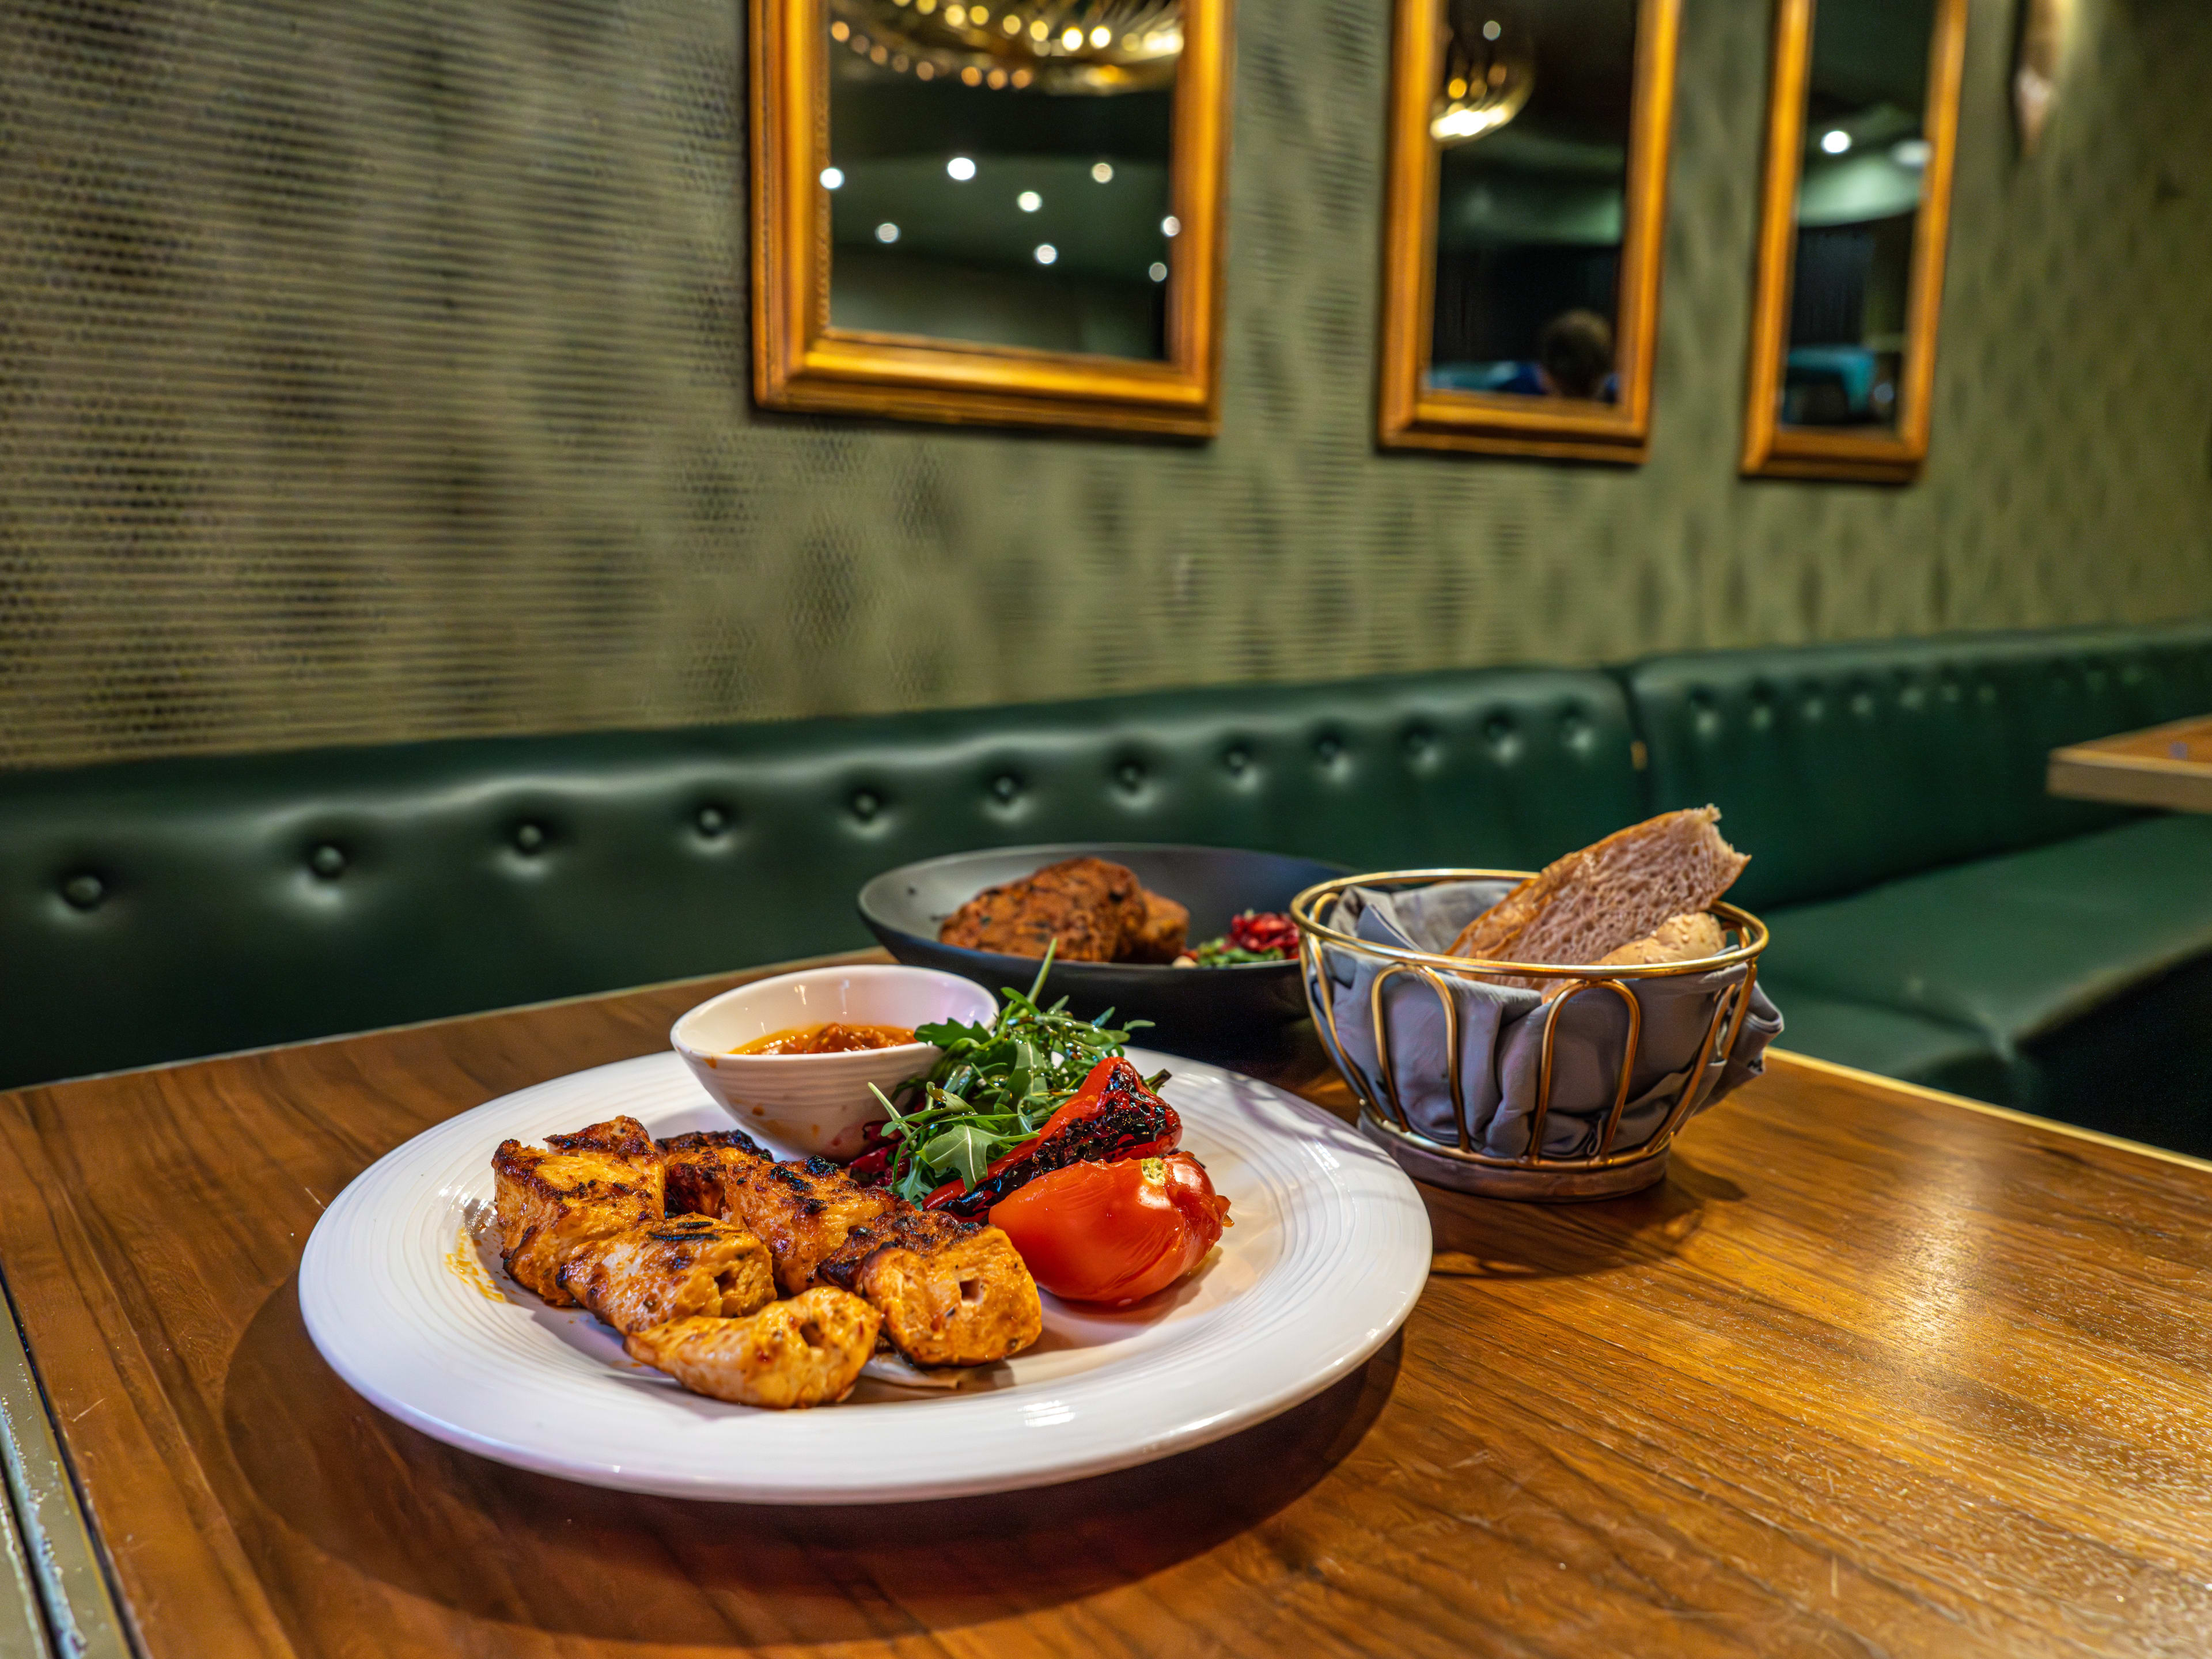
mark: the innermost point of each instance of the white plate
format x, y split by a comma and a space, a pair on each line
403, 1293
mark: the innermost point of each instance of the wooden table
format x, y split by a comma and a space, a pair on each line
1875, 1371
2166, 766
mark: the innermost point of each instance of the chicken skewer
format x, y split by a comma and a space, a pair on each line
950, 1292
693, 1295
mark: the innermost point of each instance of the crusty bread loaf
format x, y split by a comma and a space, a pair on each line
1596, 901
1679, 939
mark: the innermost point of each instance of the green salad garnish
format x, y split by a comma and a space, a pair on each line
993, 1087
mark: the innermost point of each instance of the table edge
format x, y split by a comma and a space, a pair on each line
1943, 1097
68, 1570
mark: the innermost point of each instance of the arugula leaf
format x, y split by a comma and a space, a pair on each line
994, 1086
966, 1149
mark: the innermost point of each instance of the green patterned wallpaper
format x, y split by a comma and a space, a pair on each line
377, 369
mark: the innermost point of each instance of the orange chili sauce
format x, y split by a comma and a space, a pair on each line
831, 1039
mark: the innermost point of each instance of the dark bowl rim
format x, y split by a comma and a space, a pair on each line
998, 962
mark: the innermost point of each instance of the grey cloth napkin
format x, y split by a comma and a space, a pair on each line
1501, 1033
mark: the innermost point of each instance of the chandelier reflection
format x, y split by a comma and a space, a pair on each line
1489, 70
1089, 47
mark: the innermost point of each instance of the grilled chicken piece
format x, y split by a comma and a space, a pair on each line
682, 1267
801, 1352
599, 1181
1162, 934
950, 1292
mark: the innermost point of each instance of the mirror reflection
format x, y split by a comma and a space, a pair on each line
1531, 117
1000, 173
1864, 158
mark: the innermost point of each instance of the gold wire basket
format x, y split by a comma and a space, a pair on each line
1603, 1174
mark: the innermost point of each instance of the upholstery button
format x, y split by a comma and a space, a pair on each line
1006, 787
1862, 704
1574, 726
712, 820
529, 837
84, 891
1328, 748
1131, 775
1811, 710
866, 805
327, 861
1238, 760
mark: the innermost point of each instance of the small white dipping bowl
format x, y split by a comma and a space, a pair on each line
820, 1103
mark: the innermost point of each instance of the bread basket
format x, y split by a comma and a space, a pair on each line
1477, 1084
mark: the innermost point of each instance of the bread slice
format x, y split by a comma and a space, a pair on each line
1679, 938
1594, 901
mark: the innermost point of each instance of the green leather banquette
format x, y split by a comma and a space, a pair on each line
159, 909
1937, 915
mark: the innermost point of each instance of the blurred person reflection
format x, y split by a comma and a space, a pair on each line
1574, 355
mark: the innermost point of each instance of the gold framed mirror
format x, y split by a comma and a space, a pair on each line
1522, 227
998, 213
1863, 119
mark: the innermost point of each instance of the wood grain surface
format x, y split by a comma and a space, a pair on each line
2165, 766
1873, 1372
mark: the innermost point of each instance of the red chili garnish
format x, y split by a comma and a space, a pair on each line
880, 1145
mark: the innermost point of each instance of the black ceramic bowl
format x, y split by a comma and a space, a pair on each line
1228, 1015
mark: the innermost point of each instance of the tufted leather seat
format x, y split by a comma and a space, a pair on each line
1937, 914
1847, 765
161, 909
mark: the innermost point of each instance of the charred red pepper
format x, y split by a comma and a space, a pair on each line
1111, 1117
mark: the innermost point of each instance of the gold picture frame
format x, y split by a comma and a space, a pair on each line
801, 363
1413, 414
1771, 448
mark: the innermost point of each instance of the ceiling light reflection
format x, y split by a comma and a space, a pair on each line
1046, 254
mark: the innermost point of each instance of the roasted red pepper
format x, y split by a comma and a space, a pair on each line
1111, 1117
